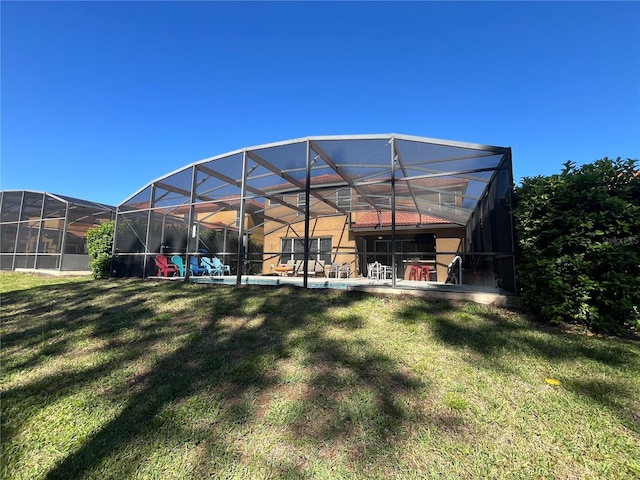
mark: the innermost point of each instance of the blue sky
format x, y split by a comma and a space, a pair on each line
100, 98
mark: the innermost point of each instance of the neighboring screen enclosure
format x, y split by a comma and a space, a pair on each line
46, 231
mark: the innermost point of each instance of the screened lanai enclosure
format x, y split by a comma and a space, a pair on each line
47, 231
390, 208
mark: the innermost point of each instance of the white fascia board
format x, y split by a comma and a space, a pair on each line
453, 143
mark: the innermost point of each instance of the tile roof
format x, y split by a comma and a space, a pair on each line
371, 219
333, 178
326, 179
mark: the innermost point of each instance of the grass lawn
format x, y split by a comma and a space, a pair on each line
140, 379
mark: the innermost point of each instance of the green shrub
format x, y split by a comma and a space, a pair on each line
579, 244
99, 245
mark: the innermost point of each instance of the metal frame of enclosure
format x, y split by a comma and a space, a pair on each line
234, 205
46, 231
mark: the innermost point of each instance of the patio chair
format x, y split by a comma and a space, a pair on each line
285, 269
334, 270
345, 269
208, 265
386, 272
177, 260
196, 268
164, 267
217, 264
374, 271
314, 267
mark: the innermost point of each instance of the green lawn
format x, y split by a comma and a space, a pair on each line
138, 379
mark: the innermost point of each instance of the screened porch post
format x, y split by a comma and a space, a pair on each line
15, 243
243, 192
164, 224
192, 233
64, 234
224, 242
307, 189
40, 226
148, 232
513, 239
115, 240
393, 212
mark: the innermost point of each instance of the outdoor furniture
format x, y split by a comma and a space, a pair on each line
207, 263
377, 271
387, 272
285, 269
334, 269
345, 269
196, 268
164, 267
414, 272
374, 271
313, 267
178, 262
425, 273
282, 270
218, 265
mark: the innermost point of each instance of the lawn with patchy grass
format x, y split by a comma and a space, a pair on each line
140, 379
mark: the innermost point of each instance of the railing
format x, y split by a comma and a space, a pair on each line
454, 271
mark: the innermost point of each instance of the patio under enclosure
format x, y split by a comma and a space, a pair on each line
391, 208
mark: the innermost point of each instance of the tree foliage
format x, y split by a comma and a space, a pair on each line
579, 242
99, 244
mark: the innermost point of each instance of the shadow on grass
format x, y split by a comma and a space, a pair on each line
612, 394
487, 331
494, 336
220, 347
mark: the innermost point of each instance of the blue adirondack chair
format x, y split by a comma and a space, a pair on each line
217, 264
207, 263
196, 268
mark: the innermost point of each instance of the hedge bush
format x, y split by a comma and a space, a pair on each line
99, 244
579, 244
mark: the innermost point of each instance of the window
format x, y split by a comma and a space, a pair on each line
447, 199
343, 198
319, 249
302, 200
302, 204
423, 246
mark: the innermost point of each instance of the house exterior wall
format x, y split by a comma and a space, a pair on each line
343, 238
447, 240
343, 245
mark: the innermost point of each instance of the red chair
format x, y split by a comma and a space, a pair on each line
425, 273
164, 267
414, 272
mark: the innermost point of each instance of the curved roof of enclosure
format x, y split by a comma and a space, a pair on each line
427, 173
73, 202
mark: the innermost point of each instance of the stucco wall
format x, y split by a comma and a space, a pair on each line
447, 240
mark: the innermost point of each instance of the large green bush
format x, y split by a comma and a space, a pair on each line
99, 245
579, 244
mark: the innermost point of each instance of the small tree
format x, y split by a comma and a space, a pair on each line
99, 244
579, 239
